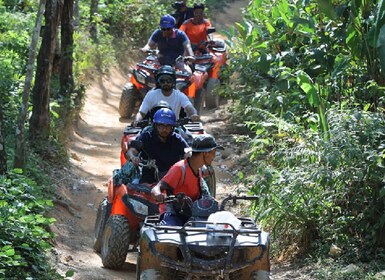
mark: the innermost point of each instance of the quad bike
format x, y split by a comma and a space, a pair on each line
183, 125
205, 247
143, 79
119, 218
210, 56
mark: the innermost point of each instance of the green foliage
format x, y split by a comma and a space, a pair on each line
130, 23
299, 69
23, 229
280, 38
14, 38
327, 191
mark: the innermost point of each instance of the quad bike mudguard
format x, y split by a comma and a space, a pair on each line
129, 134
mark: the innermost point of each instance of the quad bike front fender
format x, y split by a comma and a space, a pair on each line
191, 90
135, 83
200, 79
214, 72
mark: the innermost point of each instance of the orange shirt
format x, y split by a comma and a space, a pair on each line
196, 32
188, 184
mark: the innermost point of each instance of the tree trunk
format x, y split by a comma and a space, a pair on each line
3, 154
67, 44
40, 119
76, 14
93, 26
20, 147
66, 62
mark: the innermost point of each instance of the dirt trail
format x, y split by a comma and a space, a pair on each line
94, 151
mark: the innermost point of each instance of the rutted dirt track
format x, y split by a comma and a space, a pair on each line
94, 151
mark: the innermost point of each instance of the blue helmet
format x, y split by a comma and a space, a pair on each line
167, 21
165, 116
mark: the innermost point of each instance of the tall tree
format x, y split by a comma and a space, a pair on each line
67, 42
20, 147
3, 154
93, 23
66, 61
40, 119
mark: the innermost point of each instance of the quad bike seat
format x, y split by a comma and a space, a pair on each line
131, 130
146, 66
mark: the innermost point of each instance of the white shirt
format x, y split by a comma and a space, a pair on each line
176, 100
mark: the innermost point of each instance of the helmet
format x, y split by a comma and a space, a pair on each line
165, 70
160, 105
204, 143
165, 116
167, 21
199, 6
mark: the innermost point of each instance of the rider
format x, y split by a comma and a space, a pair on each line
186, 176
171, 43
182, 12
196, 27
160, 143
165, 91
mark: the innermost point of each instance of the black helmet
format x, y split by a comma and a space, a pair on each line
161, 105
199, 6
165, 70
204, 143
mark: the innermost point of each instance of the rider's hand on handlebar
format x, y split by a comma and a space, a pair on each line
144, 50
135, 160
195, 118
160, 197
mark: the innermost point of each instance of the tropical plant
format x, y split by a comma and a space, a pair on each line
24, 234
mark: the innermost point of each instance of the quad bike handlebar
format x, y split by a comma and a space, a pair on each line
183, 198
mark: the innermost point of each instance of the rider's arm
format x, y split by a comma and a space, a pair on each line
191, 112
187, 44
132, 155
188, 48
146, 105
157, 191
139, 116
151, 44
188, 107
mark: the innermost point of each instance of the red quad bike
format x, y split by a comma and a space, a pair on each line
183, 125
213, 244
143, 79
210, 56
119, 218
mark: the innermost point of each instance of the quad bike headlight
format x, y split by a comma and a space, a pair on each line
180, 85
140, 77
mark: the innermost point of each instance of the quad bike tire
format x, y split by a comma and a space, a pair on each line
115, 242
151, 274
127, 101
260, 275
211, 96
100, 223
211, 181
